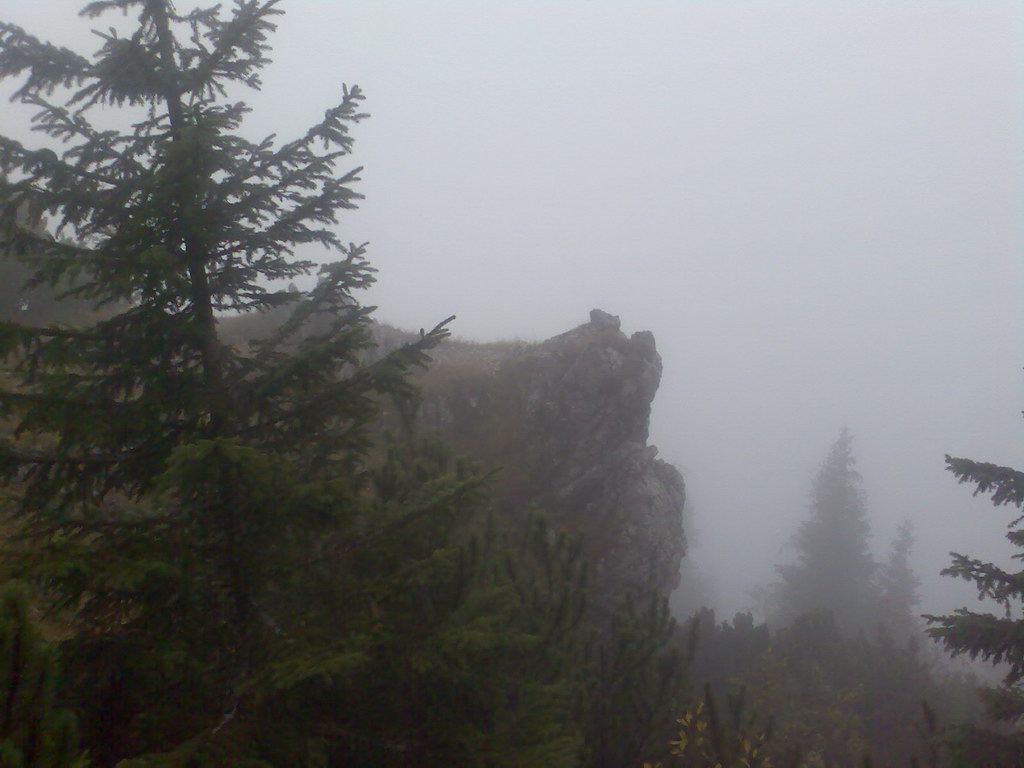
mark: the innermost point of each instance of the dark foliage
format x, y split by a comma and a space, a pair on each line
983, 635
635, 682
34, 731
993, 638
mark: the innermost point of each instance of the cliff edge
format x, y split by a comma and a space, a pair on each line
567, 421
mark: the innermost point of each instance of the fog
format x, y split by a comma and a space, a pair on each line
815, 207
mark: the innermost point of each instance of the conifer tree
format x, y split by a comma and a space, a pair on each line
834, 570
995, 639
172, 488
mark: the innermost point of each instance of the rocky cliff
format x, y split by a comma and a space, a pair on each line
567, 422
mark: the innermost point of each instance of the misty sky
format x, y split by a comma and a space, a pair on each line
816, 207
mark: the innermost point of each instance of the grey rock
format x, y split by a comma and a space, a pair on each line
568, 421
602, 319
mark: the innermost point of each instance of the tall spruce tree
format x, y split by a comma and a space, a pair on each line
171, 489
834, 570
996, 639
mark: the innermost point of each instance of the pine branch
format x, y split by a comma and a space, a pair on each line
1006, 485
981, 635
992, 582
48, 66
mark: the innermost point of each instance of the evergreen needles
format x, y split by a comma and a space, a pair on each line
169, 487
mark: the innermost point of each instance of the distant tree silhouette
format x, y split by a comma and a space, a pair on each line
834, 569
898, 587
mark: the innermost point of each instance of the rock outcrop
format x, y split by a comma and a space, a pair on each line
567, 421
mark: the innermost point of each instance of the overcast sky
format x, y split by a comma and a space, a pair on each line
817, 208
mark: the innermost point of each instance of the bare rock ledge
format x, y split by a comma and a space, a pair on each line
567, 420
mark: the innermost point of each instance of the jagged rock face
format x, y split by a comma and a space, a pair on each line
567, 420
